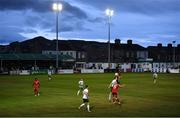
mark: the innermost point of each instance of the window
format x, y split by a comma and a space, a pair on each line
82, 56
132, 54
139, 65
79, 55
127, 54
71, 53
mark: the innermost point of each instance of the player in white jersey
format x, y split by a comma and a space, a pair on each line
85, 98
155, 76
49, 74
81, 86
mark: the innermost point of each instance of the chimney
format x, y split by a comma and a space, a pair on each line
159, 44
117, 41
178, 45
169, 45
129, 42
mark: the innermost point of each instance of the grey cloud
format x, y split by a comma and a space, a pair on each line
40, 6
40, 14
63, 28
67, 27
15, 4
80, 26
29, 30
66, 24
36, 5
10, 34
97, 20
75, 11
138, 6
38, 20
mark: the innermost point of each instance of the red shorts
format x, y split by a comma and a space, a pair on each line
36, 88
114, 94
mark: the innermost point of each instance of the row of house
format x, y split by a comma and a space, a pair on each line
129, 57
121, 52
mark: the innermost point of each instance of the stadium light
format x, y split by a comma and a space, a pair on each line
109, 13
57, 7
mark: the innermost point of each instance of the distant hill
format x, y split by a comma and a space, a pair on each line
96, 51
37, 44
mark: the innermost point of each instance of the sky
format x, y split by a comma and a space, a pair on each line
146, 22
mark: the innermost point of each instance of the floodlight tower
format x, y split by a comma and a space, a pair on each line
109, 13
57, 7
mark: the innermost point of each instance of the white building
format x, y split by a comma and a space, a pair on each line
77, 55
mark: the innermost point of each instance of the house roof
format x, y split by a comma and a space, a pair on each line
129, 47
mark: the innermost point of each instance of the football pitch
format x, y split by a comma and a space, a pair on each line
140, 97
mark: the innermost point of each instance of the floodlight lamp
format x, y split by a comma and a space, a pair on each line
54, 7
60, 7
57, 7
109, 12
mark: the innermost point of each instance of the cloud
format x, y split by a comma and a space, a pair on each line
85, 19
10, 34
40, 6
38, 13
151, 7
97, 20
15, 4
75, 11
134, 6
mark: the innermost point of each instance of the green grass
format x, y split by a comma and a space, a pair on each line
58, 97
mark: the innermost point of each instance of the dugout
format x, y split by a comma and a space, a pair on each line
29, 61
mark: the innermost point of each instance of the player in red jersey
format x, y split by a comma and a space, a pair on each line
36, 85
114, 81
115, 92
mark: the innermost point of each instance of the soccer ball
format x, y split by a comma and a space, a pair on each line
116, 74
